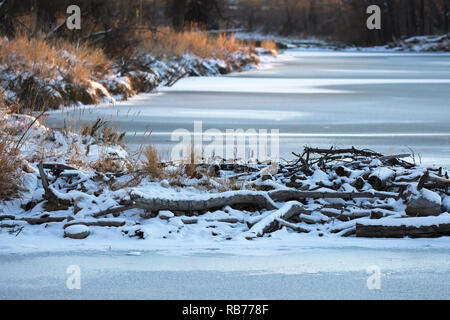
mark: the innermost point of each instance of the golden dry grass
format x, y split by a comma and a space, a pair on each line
52, 60
48, 74
167, 42
10, 168
152, 163
269, 45
102, 132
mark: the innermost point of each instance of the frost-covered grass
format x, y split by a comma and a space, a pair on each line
10, 166
36, 74
39, 74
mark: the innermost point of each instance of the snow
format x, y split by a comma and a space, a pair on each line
409, 222
283, 85
446, 203
165, 214
281, 272
76, 229
206, 231
430, 195
382, 173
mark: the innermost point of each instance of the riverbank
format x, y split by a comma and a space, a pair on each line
425, 43
38, 74
76, 186
89, 187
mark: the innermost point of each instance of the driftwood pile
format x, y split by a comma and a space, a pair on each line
322, 191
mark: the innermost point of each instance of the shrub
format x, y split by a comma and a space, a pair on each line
270, 45
168, 42
47, 74
152, 163
10, 168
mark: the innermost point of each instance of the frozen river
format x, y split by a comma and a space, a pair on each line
314, 273
384, 101
389, 102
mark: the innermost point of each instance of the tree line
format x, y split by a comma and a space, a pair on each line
341, 20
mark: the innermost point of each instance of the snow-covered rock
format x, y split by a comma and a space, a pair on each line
425, 203
165, 214
78, 231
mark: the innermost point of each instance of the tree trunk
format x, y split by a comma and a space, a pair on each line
178, 13
446, 15
422, 17
412, 15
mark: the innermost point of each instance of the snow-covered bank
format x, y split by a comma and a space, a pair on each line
425, 43
72, 75
84, 187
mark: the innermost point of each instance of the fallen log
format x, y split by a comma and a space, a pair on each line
284, 223
7, 217
53, 201
96, 223
428, 227
8, 225
270, 223
366, 153
380, 177
311, 220
226, 220
347, 232
347, 215
57, 167
42, 220
115, 211
432, 182
288, 195
258, 200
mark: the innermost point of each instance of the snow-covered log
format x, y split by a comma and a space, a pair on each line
271, 222
293, 226
96, 223
253, 199
186, 206
423, 203
287, 195
43, 219
426, 227
380, 177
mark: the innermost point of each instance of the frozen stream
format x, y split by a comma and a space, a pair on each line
314, 273
384, 101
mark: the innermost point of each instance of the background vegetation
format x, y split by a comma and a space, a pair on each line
116, 25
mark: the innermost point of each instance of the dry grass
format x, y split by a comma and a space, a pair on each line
102, 132
40, 68
152, 163
167, 42
269, 45
10, 168
106, 164
50, 60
